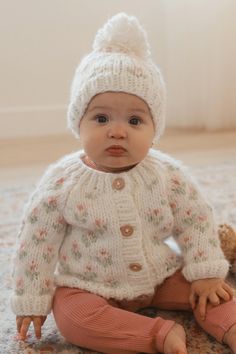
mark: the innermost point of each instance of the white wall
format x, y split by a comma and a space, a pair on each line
41, 42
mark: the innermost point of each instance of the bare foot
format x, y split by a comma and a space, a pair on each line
230, 338
175, 342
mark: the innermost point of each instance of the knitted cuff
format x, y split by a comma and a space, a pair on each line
162, 327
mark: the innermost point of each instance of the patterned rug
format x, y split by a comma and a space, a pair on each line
218, 184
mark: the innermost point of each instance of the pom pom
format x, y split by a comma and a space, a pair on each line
122, 33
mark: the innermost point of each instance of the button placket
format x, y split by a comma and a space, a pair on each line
126, 230
118, 183
135, 267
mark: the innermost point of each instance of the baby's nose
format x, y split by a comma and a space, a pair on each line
117, 130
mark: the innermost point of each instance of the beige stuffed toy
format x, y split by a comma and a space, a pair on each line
228, 243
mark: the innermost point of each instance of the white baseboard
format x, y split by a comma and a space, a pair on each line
32, 121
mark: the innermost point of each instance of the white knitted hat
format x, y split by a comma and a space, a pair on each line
120, 62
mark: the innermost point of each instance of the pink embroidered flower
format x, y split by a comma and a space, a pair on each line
48, 254
32, 270
100, 226
39, 236
104, 257
80, 207
75, 250
33, 217
173, 205
156, 212
22, 250
81, 213
175, 181
202, 218
51, 204
46, 286
59, 183
60, 224
19, 286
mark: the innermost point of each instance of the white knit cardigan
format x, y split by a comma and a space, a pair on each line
106, 232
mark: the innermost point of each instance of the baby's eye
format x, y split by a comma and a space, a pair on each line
135, 121
101, 118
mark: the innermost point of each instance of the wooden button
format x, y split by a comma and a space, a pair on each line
126, 230
135, 267
118, 183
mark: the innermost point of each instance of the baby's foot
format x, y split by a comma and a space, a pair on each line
230, 338
175, 342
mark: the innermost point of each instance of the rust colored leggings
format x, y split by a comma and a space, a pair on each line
112, 327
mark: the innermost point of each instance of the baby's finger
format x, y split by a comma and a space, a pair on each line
223, 294
193, 300
24, 327
228, 289
37, 326
214, 299
202, 306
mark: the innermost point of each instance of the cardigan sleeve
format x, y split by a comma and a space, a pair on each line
194, 228
40, 238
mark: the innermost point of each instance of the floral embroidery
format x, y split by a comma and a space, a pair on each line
193, 194
81, 213
59, 225
33, 217
100, 226
22, 251
64, 263
39, 236
89, 238
112, 283
88, 274
166, 228
59, 183
32, 271
171, 262
171, 168
152, 184
199, 222
202, 224
46, 287
189, 218
177, 230
178, 186
75, 250
104, 258
163, 202
51, 204
156, 239
200, 256
187, 243
48, 254
20, 286
155, 216
174, 207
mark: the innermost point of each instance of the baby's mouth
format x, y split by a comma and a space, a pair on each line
116, 150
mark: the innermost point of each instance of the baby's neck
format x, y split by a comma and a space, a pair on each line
88, 162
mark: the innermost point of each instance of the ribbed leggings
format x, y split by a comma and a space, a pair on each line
112, 327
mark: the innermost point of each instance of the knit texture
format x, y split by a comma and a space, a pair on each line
120, 62
106, 232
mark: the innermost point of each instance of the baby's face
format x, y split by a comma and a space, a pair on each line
116, 131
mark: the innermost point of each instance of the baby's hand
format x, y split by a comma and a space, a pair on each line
23, 323
211, 290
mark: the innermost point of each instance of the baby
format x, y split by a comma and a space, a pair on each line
92, 245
